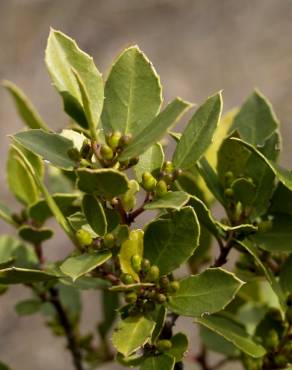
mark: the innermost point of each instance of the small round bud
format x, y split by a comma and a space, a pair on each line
174, 286
153, 274
136, 262
177, 172
229, 193
164, 282
229, 175
125, 140
74, 154
238, 211
113, 139
84, 238
163, 345
160, 298
128, 201
145, 265
272, 340
106, 152
168, 167
280, 360
161, 188
148, 181
131, 297
168, 178
109, 240
127, 279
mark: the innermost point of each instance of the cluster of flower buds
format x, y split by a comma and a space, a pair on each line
162, 184
144, 297
83, 155
87, 242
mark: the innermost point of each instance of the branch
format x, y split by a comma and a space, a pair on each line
224, 251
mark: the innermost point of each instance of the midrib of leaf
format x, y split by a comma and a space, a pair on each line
130, 97
135, 330
196, 137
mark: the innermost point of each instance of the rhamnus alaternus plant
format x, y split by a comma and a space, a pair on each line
107, 169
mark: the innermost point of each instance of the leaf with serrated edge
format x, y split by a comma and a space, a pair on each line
205, 293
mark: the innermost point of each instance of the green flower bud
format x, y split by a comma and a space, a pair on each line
168, 167
125, 140
113, 139
109, 240
168, 178
131, 297
174, 286
74, 154
145, 265
160, 298
280, 360
84, 238
164, 282
127, 279
106, 152
229, 193
271, 341
148, 181
177, 172
153, 274
163, 345
289, 315
229, 175
238, 211
161, 188
128, 201
136, 262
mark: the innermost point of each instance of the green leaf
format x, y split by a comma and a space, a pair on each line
40, 211
17, 275
179, 346
198, 134
35, 235
283, 175
80, 265
62, 57
132, 333
243, 190
281, 201
205, 293
286, 275
51, 147
110, 304
60, 181
94, 213
129, 248
256, 120
15, 251
232, 333
25, 109
78, 221
160, 362
159, 316
171, 240
76, 137
132, 93
28, 307
248, 246
156, 129
24, 189
106, 182
278, 237
50, 201
171, 200
150, 161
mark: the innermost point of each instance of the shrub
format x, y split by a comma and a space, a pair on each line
106, 169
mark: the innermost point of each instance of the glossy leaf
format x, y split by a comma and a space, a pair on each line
171, 240
256, 120
94, 213
77, 266
171, 200
199, 133
14, 251
179, 346
151, 161
232, 333
205, 293
63, 57
26, 110
35, 235
129, 248
17, 275
132, 93
160, 362
132, 333
50, 146
156, 129
105, 182
78, 221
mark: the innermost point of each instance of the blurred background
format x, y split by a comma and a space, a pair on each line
197, 46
